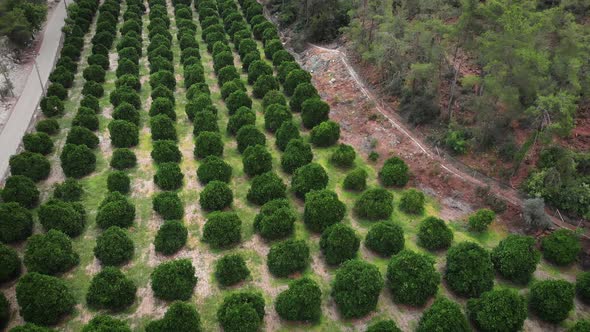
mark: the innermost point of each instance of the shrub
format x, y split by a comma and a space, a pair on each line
248, 136
52, 106
313, 112
162, 128
94, 89
582, 286
168, 205
57, 90
62, 216
297, 154
200, 103
227, 74
169, 176
193, 74
38, 142
343, 156
481, 219
356, 288
166, 151
243, 117
281, 56
115, 210
118, 181
208, 144
284, 69
20, 189
394, 172
295, 77
412, 278
32, 165
43, 300
10, 263
561, 247
256, 159
246, 46
62, 76
580, 326
82, 136
77, 160
412, 201
171, 237
91, 102
48, 126
374, 204
205, 121
127, 112
180, 316
123, 159
250, 58
339, 243
287, 257
443, 315
110, 289
236, 100
325, 134
257, 69
385, 238
216, 196
434, 234
505, 303
163, 77
516, 258
222, 59
125, 94
222, 229
307, 178
301, 302
214, 168
286, 132
104, 323
275, 220
551, 300
124, 134
263, 85
469, 270
164, 106
241, 311
4, 311
231, 269
16, 222
114, 247
94, 73
164, 92
174, 280
272, 46
322, 210
86, 118
356, 180
383, 326
273, 97
127, 67
129, 80
303, 92
50, 253
229, 87
275, 115
266, 187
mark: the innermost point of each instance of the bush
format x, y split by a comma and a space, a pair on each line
180, 316
250, 58
506, 303
127, 67
374, 204
272, 46
288, 257
322, 210
48, 126
62, 76
168, 205
110, 289
16, 223
10, 264
412, 201
214, 168
274, 116
118, 181
57, 90
325, 134
82, 136
164, 92
164, 106
115, 210
266, 187
256, 159
481, 219
582, 286
394, 172
443, 315
20, 189
77, 160
273, 97
343, 156
231, 269
208, 144
412, 278
123, 159
281, 56
552, 300
32, 165
303, 92
125, 94
129, 80
67, 217
222, 229
229, 87
561, 247
257, 69
164, 78
383, 326
275, 220
286, 132
162, 128
469, 270
581, 326
216, 196
297, 154
94, 89
91, 102
385, 238
243, 117
228, 74
114, 247
284, 69
100, 60
50, 253
174, 280
52, 106
263, 85
94, 73
356, 180
294, 78
165, 151
38, 142
86, 118
307, 178
171, 237
313, 112
301, 302
339, 243
193, 74
127, 112
236, 100
169, 176
124, 134
241, 311
43, 299
4, 311
356, 288
516, 258
434, 234
205, 121
104, 323
248, 136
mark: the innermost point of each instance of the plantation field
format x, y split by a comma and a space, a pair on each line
197, 188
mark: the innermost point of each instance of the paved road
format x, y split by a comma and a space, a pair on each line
26, 106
